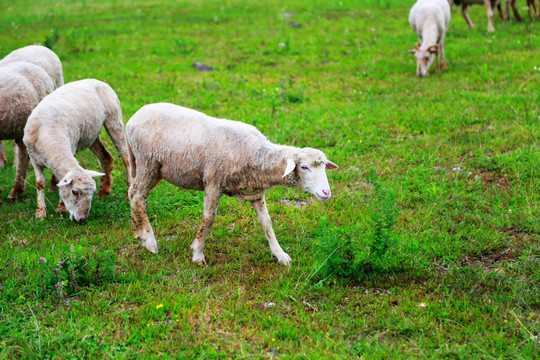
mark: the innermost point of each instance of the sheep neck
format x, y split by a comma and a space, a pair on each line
61, 159
430, 34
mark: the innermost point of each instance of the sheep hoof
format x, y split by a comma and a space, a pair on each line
41, 213
150, 246
199, 259
152, 249
101, 194
284, 259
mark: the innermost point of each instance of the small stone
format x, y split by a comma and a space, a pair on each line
202, 67
294, 24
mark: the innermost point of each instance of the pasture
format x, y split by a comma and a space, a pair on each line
428, 248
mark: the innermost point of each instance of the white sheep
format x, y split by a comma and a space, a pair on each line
65, 122
22, 86
42, 57
490, 6
430, 19
194, 151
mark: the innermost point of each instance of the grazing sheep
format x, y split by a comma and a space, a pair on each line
490, 5
429, 18
22, 86
194, 151
65, 122
42, 57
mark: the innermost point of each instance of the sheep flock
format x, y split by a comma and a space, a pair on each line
49, 122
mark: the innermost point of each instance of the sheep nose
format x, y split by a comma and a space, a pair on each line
326, 193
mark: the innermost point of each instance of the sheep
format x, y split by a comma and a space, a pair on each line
490, 6
65, 122
430, 19
42, 57
22, 86
195, 151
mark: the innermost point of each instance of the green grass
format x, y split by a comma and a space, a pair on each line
458, 151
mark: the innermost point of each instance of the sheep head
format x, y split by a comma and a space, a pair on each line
308, 169
76, 190
424, 58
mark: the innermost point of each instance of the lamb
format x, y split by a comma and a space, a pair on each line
430, 19
42, 57
22, 86
65, 122
195, 151
490, 6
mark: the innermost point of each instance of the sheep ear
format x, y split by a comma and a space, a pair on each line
330, 165
417, 46
94, 174
413, 51
434, 49
291, 164
65, 181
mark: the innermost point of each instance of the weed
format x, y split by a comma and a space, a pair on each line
356, 250
52, 38
185, 45
78, 40
77, 270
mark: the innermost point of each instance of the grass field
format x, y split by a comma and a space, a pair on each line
450, 163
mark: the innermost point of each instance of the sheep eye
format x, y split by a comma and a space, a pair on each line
75, 192
304, 167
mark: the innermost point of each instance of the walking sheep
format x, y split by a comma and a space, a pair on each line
194, 151
65, 122
429, 18
22, 86
42, 57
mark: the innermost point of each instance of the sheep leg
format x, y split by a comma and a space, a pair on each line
3, 159
115, 129
499, 9
466, 16
514, 10
489, 9
266, 222
61, 206
437, 62
53, 186
106, 161
443, 57
532, 8
147, 178
41, 210
211, 202
22, 170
